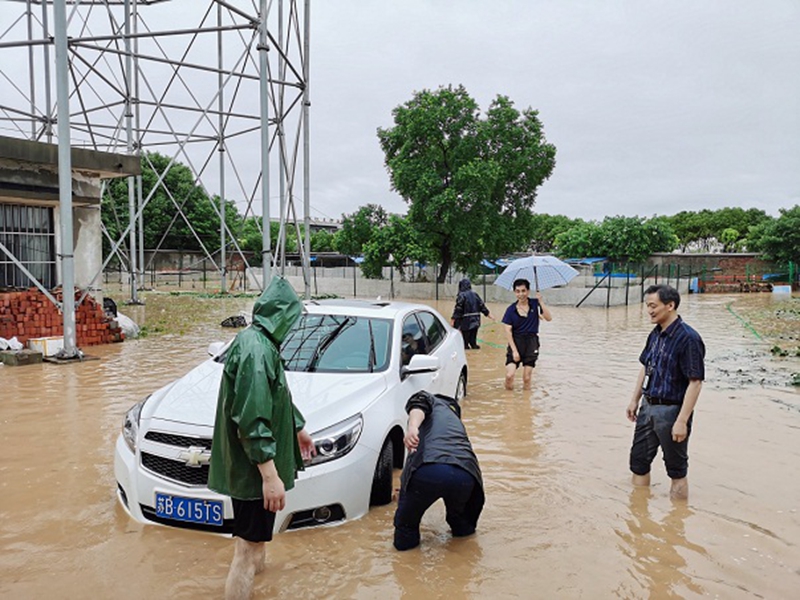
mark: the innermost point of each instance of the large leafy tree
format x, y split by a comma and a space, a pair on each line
779, 239
164, 227
470, 182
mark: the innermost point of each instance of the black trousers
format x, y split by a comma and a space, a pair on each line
429, 483
470, 337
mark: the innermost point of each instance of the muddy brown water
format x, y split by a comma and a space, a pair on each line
561, 519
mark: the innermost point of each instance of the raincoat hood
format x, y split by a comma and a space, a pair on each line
464, 285
277, 309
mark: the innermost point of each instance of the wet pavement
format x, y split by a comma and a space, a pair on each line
561, 519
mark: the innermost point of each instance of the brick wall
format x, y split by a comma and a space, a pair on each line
30, 314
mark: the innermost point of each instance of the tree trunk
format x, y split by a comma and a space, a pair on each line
447, 260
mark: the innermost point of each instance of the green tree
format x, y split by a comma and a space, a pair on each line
694, 228
161, 217
395, 244
357, 229
779, 239
470, 182
322, 241
620, 239
738, 220
250, 238
703, 229
729, 239
635, 238
545, 228
582, 240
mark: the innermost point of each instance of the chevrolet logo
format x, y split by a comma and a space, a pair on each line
195, 456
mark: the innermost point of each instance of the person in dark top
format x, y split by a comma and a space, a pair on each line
441, 464
521, 321
467, 314
668, 386
411, 346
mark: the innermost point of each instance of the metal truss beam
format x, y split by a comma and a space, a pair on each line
227, 76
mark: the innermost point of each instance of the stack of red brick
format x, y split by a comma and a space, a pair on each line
30, 314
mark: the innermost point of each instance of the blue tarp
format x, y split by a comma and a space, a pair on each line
584, 261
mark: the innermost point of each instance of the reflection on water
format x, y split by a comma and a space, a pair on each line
655, 545
561, 519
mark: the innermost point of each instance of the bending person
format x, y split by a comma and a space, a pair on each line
441, 464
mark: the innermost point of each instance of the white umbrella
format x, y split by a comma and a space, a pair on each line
543, 271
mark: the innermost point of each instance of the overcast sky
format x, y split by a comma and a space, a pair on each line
654, 106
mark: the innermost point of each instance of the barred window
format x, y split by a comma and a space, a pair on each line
27, 233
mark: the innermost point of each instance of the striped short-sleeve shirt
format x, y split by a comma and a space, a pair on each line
671, 359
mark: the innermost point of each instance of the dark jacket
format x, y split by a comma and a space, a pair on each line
256, 419
443, 439
469, 306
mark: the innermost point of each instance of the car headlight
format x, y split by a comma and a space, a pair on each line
337, 440
130, 425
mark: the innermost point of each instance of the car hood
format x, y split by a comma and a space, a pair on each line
323, 398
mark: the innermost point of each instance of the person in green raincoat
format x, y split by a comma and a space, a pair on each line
259, 441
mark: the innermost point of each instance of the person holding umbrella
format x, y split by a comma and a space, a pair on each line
521, 319
521, 323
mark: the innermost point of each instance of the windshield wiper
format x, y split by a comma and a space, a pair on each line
371, 347
323, 345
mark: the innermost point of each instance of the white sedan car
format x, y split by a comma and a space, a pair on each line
351, 367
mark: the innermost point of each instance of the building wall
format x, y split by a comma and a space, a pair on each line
29, 176
734, 264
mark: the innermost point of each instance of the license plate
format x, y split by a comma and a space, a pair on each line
192, 510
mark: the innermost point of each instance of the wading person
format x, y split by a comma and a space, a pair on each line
259, 442
521, 321
467, 313
668, 386
440, 464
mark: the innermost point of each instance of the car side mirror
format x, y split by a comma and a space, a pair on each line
420, 363
215, 349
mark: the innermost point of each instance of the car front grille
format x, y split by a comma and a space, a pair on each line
181, 441
175, 470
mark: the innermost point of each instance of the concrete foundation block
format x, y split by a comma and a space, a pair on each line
18, 358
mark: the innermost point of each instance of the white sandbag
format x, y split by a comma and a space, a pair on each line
12, 344
128, 326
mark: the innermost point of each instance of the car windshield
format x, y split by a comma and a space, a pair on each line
337, 343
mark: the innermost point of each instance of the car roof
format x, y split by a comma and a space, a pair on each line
383, 309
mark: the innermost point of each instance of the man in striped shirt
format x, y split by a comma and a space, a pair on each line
668, 386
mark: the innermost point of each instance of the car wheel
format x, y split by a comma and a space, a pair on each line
382, 481
461, 388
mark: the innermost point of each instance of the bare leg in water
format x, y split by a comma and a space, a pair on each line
248, 559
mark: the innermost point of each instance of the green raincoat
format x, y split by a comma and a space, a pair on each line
256, 420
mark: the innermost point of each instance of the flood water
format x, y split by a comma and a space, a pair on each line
561, 518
